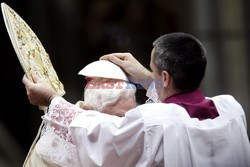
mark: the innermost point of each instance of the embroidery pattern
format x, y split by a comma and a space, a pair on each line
30, 51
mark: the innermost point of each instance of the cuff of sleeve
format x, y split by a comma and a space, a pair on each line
55, 101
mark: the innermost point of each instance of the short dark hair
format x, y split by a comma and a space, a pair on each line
183, 56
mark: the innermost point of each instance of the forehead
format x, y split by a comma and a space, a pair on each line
152, 62
152, 54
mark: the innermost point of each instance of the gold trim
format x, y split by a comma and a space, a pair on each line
30, 51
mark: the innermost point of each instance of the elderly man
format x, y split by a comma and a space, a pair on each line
184, 129
112, 95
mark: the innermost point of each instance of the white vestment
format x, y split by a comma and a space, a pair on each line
160, 134
53, 146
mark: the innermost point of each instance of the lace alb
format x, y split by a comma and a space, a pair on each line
56, 144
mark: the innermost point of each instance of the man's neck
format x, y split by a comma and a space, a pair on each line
169, 93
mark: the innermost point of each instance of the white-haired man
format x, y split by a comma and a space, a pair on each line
56, 146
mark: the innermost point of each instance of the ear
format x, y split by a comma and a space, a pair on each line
165, 78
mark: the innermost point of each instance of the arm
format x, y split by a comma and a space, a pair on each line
135, 70
58, 117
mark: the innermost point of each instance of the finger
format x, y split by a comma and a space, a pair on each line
26, 81
34, 78
109, 56
104, 57
121, 56
117, 61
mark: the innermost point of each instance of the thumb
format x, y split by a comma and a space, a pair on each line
26, 81
117, 61
35, 78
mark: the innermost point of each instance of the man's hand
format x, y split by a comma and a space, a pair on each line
135, 70
39, 92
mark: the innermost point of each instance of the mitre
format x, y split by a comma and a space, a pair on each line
103, 69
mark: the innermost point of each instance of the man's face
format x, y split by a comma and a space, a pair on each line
156, 76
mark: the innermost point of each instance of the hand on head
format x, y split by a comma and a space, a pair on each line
128, 63
39, 92
135, 70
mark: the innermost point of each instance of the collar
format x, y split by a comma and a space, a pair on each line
186, 97
195, 104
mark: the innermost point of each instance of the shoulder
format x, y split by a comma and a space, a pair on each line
227, 104
226, 101
160, 112
159, 107
223, 97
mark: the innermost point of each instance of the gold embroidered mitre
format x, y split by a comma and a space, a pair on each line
30, 51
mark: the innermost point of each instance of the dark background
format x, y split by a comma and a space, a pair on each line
77, 32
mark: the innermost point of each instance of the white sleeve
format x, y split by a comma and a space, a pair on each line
56, 145
58, 117
105, 140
